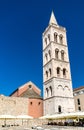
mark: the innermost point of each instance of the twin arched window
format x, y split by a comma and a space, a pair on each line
59, 72
57, 54
49, 92
48, 55
63, 87
47, 39
48, 73
60, 38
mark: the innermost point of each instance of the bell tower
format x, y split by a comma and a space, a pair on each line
57, 83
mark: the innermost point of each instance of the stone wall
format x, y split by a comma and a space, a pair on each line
13, 105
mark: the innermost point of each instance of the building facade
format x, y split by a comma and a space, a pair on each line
79, 98
56, 70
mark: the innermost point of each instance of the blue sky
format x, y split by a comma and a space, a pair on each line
22, 23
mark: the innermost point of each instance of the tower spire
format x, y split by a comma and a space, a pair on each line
52, 19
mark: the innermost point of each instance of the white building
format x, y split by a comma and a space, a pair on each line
58, 93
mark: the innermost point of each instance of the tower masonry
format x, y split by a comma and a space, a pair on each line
58, 93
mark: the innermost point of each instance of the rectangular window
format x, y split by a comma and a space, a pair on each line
78, 101
79, 108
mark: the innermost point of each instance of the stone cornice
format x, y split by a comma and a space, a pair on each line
54, 43
54, 26
55, 60
58, 78
58, 97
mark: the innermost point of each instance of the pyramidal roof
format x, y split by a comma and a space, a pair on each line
52, 19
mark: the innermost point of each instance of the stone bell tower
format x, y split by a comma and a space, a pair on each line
58, 93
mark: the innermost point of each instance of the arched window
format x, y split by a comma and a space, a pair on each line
50, 91
58, 71
49, 37
46, 41
46, 74
64, 72
47, 92
55, 37
62, 55
30, 86
56, 53
49, 52
60, 86
59, 109
50, 72
61, 38
66, 88
46, 56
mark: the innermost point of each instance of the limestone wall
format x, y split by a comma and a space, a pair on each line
13, 105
